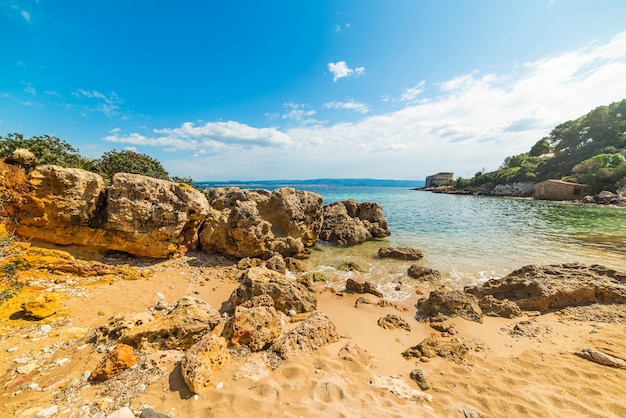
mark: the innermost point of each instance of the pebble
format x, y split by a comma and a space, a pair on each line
160, 295
86, 375
12, 350
48, 412
196, 397
220, 385
61, 361
44, 329
148, 412
123, 412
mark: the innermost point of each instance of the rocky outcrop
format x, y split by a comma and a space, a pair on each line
544, 288
450, 303
315, 332
515, 190
138, 215
349, 223
146, 210
400, 253
606, 198
179, 329
202, 361
286, 293
496, 307
259, 223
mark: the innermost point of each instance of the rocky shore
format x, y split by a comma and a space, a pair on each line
145, 298
200, 335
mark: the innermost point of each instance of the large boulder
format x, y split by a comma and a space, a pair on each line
349, 223
544, 288
259, 223
146, 210
179, 329
137, 214
286, 293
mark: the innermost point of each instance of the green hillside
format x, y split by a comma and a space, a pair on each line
589, 150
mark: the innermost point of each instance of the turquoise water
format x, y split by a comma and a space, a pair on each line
474, 238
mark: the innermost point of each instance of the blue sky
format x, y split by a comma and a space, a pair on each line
250, 90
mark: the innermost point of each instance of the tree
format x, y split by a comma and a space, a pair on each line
113, 162
47, 149
541, 147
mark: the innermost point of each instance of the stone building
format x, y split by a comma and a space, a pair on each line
560, 190
439, 179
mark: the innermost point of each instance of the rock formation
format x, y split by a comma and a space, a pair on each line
450, 303
136, 214
259, 223
544, 288
349, 223
179, 329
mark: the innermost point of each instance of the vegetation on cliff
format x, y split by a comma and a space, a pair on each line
590, 150
52, 150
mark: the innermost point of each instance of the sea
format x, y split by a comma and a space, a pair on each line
470, 239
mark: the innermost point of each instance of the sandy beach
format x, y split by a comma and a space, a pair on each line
511, 370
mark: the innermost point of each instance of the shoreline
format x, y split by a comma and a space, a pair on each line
493, 380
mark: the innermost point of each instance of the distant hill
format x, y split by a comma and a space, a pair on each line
589, 150
346, 182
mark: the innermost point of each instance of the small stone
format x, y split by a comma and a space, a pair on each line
292, 312
61, 361
220, 385
118, 360
160, 296
12, 350
44, 329
421, 378
123, 412
148, 412
48, 412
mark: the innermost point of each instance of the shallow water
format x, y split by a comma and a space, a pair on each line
474, 238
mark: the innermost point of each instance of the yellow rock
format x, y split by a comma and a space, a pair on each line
42, 306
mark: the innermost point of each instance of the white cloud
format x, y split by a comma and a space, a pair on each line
340, 70
30, 89
465, 123
213, 135
108, 105
350, 105
298, 112
410, 94
26, 15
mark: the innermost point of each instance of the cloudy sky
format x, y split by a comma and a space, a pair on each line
253, 90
